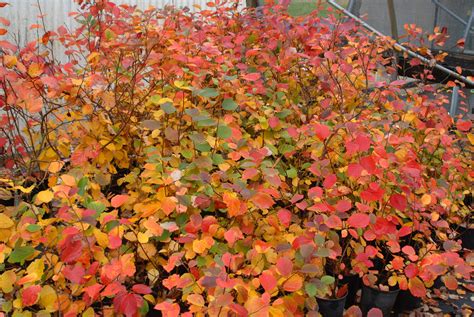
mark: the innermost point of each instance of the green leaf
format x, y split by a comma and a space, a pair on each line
207, 92
311, 289
82, 186
328, 280
292, 173
33, 228
224, 131
111, 224
20, 254
207, 122
168, 108
229, 104
97, 206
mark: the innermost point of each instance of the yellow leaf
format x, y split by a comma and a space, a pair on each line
36, 268
25, 190
48, 299
470, 136
181, 85
164, 100
89, 312
68, 180
426, 199
101, 237
55, 167
35, 70
9, 60
5, 222
7, 279
44, 196
149, 298
392, 280
143, 237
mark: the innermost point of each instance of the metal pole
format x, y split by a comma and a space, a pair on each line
393, 19
468, 27
403, 48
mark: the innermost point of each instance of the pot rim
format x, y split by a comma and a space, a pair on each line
381, 291
333, 299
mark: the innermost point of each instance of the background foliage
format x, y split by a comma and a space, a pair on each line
219, 163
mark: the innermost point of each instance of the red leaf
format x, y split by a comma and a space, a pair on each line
232, 235
113, 289
284, 216
451, 282
398, 201
369, 164
408, 250
119, 200
375, 312
284, 266
464, 125
72, 249
334, 222
373, 193
329, 181
249, 173
3, 4
263, 200
251, 76
330, 55
267, 280
168, 309
416, 287
411, 270
343, 205
127, 304
30, 295
4, 21
141, 289
353, 311
322, 131
93, 291
354, 170
74, 273
358, 220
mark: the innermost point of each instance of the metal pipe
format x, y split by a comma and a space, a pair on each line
451, 13
468, 27
401, 47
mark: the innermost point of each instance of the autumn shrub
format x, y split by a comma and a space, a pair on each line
220, 163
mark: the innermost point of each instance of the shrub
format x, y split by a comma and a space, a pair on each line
216, 163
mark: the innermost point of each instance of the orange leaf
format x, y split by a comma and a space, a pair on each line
3, 31
168, 204
416, 286
233, 204
196, 299
263, 200
293, 284
35, 70
119, 200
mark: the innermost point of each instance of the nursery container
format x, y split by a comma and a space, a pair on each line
332, 307
375, 298
406, 302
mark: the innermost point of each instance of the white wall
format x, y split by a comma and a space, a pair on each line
23, 13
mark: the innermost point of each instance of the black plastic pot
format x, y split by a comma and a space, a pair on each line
375, 298
329, 307
467, 237
353, 282
406, 302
